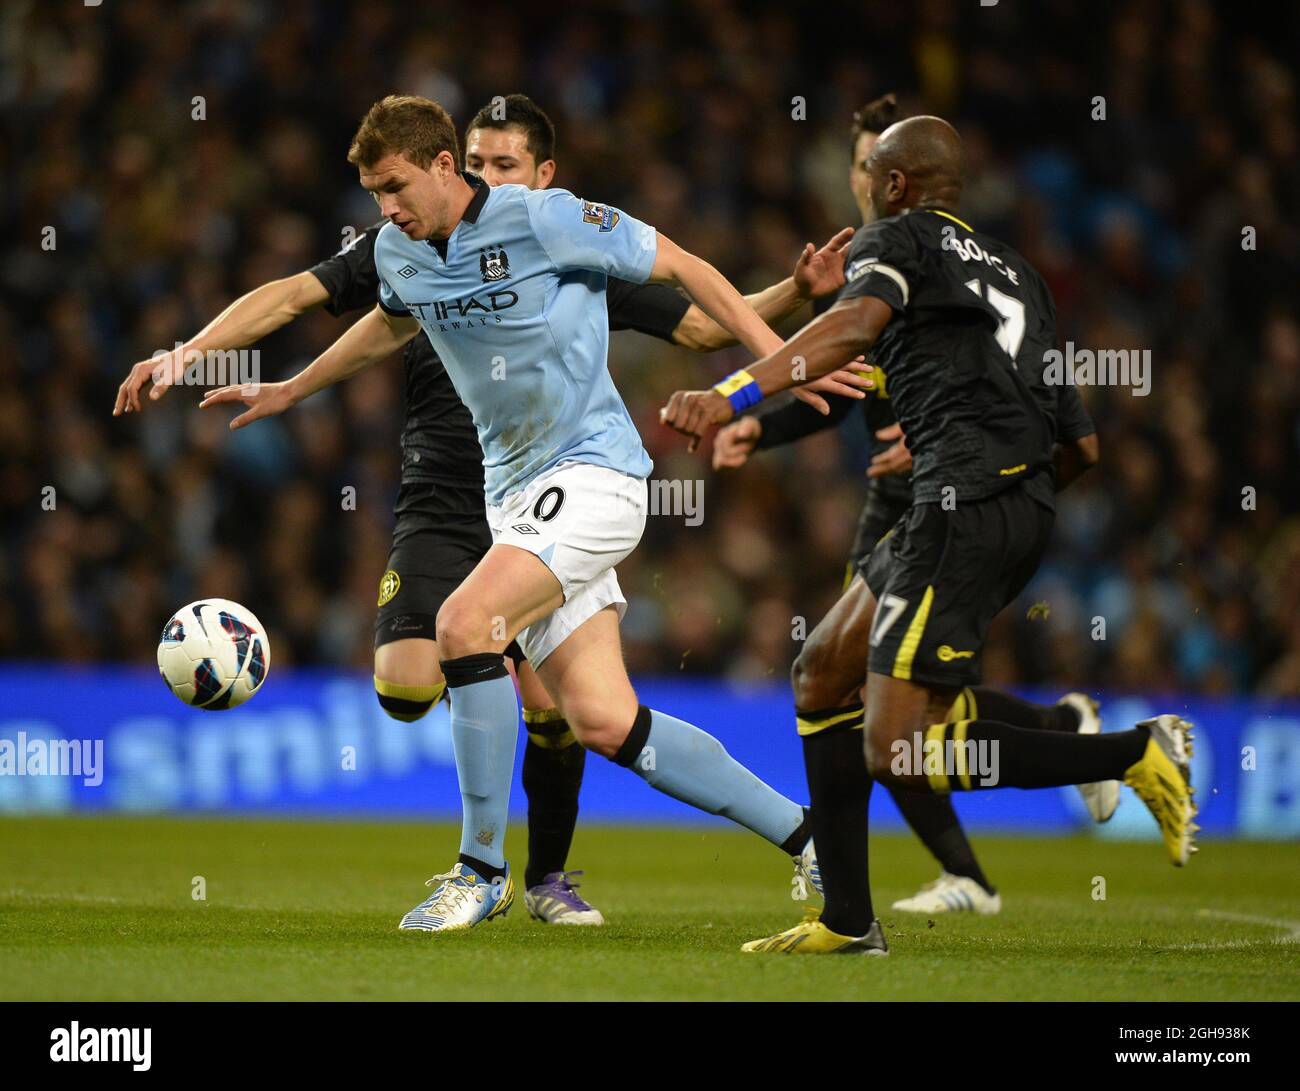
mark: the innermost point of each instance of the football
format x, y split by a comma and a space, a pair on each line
214, 654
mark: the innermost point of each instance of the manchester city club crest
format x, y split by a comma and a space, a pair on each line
493, 264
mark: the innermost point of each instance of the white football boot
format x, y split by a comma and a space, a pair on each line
1101, 798
807, 874
952, 894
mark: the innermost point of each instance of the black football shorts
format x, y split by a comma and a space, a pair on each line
940, 577
880, 513
435, 546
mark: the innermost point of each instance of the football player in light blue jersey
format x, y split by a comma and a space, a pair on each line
508, 285
513, 302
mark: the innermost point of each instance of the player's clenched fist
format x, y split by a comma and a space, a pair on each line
694, 412
736, 442
262, 399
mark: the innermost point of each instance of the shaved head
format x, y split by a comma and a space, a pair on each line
916, 161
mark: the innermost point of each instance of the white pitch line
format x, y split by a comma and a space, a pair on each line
32, 895
104, 899
1291, 928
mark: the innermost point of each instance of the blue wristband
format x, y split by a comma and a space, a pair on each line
741, 389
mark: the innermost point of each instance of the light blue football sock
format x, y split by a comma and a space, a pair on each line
484, 731
691, 765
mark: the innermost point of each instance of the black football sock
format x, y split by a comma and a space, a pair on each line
990, 704
485, 871
840, 791
973, 754
934, 820
553, 766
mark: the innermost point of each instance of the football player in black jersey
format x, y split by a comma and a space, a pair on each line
828, 675
441, 529
960, 324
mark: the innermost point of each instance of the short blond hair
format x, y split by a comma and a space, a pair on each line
408, 125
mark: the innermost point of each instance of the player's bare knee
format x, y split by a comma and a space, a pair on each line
879, 760
463, 629
605, 742
597, 726
601, 735
808, 679
802, 678
878, 747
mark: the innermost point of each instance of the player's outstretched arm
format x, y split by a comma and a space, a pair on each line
247, 320
844, 332
714, 295
373, 338
817, 273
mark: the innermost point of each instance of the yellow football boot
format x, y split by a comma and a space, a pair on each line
811, 937
1162, 779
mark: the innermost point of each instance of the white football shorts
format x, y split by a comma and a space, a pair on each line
580, 520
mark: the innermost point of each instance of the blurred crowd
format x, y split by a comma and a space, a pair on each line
184, 153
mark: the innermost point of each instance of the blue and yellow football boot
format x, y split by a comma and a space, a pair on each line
460, 900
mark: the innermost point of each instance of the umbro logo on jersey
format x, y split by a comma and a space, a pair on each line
407, 271
493, 264
524, 528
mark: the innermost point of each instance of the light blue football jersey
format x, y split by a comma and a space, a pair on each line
514, 303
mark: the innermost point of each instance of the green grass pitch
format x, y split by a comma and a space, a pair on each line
101, 909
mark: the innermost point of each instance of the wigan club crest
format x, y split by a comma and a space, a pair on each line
493, 264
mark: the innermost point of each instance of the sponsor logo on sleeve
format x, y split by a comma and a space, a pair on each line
603, 216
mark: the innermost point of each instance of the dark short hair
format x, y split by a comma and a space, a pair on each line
519, 110
875, 117
408, 125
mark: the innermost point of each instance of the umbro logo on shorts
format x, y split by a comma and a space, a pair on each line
525, 528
